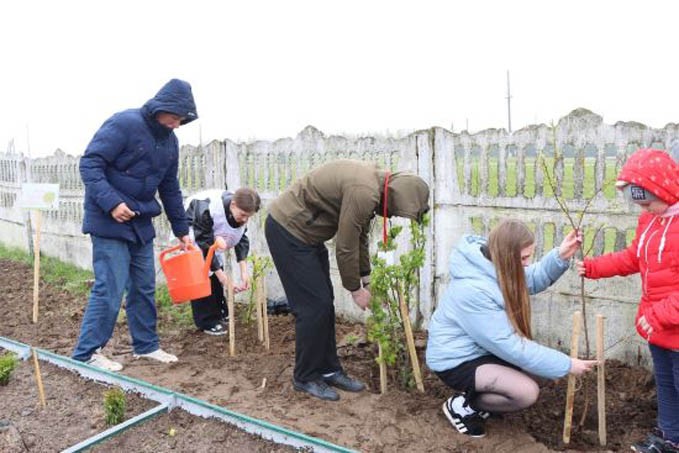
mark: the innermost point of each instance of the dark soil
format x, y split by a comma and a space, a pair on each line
257, 383
73, 411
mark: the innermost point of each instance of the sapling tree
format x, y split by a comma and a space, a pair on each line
260, 264
393, 288
575, 219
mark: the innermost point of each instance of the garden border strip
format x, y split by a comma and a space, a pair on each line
112, 431
170, 399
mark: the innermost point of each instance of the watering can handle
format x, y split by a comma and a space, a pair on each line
208, 259
172, 249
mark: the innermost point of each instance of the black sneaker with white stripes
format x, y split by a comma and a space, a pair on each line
465, 419
216, 330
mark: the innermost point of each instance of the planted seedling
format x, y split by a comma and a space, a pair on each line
393, 287
114, 406
8, 363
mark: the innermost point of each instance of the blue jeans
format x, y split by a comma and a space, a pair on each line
119, 266
666, 369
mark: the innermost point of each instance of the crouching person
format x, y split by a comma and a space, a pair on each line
480, 341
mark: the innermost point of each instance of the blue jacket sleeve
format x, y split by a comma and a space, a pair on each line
541, 275
106, 144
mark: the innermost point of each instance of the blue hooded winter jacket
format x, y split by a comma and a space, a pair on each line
130, 158
470, 320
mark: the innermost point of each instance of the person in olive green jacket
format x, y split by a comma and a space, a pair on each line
338, 199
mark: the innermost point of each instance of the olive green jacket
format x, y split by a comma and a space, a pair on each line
341, 198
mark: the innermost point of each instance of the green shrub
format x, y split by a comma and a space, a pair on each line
8, 362
114, 406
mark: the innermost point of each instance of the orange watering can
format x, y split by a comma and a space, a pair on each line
187, 272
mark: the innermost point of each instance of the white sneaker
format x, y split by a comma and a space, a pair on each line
158, 355
101, 361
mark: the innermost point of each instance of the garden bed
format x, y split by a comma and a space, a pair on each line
257, 383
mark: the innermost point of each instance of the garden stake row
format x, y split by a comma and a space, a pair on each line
601, 382
570, 392
410, 341
36, 264
261, 289
261, 310
38, 378
383, 369
232, 320
601, 379
258, 309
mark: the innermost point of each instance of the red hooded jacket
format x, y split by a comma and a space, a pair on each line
654, 253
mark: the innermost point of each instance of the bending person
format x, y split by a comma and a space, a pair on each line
338, 199
480, 340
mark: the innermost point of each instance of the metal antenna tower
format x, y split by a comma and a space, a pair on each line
509, 106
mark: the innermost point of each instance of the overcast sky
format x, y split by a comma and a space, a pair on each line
266, 69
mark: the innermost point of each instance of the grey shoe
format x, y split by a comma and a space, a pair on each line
317, 388
344, 382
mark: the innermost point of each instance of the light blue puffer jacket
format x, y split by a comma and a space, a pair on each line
470, 320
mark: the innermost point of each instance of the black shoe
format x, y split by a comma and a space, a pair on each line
465, 419
317, 388
344, 382
654, 444
216, 330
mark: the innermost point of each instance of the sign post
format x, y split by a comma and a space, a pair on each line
38, 198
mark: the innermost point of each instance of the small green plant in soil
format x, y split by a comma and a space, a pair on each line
114, 406
260, 264
8, 362
389, 283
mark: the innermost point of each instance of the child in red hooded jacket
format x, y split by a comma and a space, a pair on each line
650, 178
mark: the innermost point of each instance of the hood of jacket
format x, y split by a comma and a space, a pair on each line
174, 97
407, 196
468, 262
655, 171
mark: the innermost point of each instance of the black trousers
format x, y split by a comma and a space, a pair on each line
210, 310
304, 271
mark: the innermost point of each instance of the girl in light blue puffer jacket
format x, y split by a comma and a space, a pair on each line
480, 339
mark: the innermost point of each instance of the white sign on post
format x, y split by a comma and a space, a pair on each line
38, 198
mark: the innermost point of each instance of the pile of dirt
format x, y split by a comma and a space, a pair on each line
258, 383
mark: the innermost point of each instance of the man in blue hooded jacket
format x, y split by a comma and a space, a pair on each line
133, 156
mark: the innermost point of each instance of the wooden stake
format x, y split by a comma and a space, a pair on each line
570, 392
38, 378
232, 318
383, 369
410, 340
258, 309
36, 264
601, 379
265, 313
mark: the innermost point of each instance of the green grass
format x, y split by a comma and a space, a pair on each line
57, 273
77, 281
548, 234
567, 187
